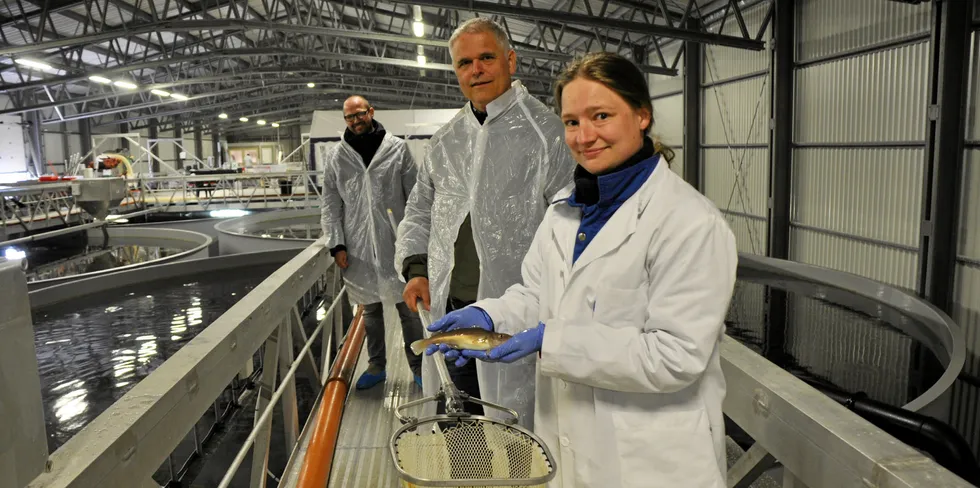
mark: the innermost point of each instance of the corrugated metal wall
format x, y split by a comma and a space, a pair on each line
735, 134
966, 394
861, 84
735, 100
667, 93
860, 124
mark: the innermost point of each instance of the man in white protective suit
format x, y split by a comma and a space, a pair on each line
369, 172
482, 190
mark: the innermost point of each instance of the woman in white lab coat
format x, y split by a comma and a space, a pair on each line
624, 295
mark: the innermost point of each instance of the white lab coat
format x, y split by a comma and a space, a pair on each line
354, 212
629, 380
503, 174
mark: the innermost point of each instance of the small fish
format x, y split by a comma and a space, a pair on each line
473, 338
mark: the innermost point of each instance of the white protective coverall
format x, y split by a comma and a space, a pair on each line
503, 174
629, 380
354, 212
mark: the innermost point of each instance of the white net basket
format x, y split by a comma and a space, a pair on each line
469, 452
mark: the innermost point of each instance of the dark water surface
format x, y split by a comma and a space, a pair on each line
92, 351
833, 346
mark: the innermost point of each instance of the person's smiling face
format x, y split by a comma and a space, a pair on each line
482, 67
601, 128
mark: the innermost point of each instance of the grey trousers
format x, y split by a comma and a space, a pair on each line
374, 329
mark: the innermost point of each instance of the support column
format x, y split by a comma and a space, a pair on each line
216, 147
692, 111
153, 133
123, 129
780, 169
944, 151
36, 141
178, 134
939, 228
85, 133
198, 143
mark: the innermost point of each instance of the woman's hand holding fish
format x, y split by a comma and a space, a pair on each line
521, 344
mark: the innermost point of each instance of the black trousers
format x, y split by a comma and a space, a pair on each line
464, 377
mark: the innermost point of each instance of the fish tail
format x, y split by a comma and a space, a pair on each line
419, 346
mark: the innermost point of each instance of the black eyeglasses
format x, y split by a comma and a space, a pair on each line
356, 115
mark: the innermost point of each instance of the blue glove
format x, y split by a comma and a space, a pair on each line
458, 319
521, 344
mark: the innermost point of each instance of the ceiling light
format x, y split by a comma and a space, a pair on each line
30, 63
160, 92
178, 96
222, 115
275, 124
421, 59
124, 84
310, 85
260, 122
243, 119
418, 28
100, 79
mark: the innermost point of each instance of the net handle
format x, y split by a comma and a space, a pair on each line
454, 403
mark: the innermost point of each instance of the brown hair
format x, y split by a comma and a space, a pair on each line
619, 75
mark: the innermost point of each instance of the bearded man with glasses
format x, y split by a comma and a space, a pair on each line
368, 173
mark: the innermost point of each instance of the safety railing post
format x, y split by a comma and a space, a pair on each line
264, 390
290, 411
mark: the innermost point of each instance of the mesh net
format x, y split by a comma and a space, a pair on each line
470, 449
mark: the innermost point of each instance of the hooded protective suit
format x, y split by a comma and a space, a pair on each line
502, 174
354, 213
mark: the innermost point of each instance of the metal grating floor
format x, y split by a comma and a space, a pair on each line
362, 459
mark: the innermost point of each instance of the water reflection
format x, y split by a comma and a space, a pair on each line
90, 354
309, 230
49, 263
834, 346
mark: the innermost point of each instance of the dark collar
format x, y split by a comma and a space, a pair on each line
377, 132
481, 117
614, 185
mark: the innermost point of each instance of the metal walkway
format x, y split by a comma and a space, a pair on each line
362, 458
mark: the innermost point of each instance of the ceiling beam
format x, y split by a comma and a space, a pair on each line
522, 12
230, 53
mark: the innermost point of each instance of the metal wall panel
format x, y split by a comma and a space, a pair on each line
972, 122
872, 193
966, 397
723, 63
660, 84
969, 245
829, 27
737, 113
750, 233
849, 350
896, 267
668, 119
880, 97
752, 164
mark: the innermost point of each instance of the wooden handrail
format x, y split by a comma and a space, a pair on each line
315, 472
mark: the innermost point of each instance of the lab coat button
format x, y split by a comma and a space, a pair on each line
581, 236
564, 441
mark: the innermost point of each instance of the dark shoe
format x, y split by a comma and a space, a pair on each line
369, 379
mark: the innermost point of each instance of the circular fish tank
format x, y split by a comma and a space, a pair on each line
280, 229
88, 253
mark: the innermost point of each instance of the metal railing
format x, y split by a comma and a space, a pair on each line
294, 189
817, 441
136, 435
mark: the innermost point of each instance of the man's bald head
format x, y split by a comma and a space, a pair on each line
358, 114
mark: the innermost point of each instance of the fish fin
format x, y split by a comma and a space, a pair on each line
418, 346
